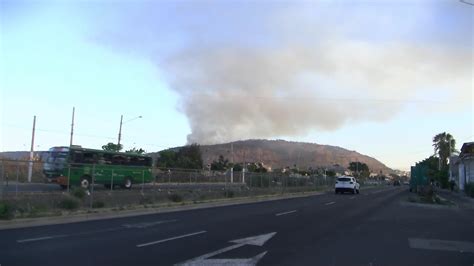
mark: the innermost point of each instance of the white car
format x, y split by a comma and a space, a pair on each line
346, 184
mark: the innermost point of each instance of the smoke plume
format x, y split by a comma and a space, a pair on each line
231, 93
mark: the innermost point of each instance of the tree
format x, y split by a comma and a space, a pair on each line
187, 157
444, 145
112, 147
136, 151
190, 157
256, 168
330, 173
358, 167
220, 165
238, 167
167, 159
431, 165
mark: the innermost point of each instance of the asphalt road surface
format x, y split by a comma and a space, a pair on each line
376, 227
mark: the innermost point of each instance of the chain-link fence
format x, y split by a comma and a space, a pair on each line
56, 189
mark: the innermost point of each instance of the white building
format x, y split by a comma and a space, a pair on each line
465, 164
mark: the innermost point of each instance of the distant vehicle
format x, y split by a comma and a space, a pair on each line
346, 184
396, 183
71, 166
406, 183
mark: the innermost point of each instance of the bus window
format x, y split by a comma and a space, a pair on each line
140, 161
108, 158
119, 159
89, 157
77, 157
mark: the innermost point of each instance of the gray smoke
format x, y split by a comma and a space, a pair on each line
301, 69
240, 92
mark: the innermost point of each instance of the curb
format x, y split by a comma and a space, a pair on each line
109, 214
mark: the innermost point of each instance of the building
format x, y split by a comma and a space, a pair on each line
465, 164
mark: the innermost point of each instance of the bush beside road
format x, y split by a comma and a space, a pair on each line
29, 205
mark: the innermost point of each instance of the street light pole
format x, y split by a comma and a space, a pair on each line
120, 131
30, 164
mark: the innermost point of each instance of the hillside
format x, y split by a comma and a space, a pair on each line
280, 154
273, 153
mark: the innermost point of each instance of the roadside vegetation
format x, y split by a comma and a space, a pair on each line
433, 172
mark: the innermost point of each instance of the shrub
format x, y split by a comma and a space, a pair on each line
229, 194
98, 204
175, 197
6, 210
412, 199
69, 204
146, 200
469, 189
79, 192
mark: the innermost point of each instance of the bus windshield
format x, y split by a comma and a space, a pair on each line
56, 159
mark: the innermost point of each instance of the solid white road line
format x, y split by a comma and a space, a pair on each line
330, 203
169, 239
283, 213
145, 225
39, 238
445, 245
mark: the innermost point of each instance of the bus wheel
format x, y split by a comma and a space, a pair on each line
128, 183
85, 182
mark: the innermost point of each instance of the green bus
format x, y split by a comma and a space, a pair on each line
77, 166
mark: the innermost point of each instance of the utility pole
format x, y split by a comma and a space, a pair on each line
30, 165
450, 166
72, 126
120, 131
232, 168
244, 165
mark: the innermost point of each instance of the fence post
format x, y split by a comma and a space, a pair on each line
225, 186
17, 178
68, 177
2, 180
112, 181
92, 187
154, 184
143, 180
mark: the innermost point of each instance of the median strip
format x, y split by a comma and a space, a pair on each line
169, 239
284, 213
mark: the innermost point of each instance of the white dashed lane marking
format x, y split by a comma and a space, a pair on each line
284, 213
170, 239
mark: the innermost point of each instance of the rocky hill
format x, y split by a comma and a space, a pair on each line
273, 153
281, 153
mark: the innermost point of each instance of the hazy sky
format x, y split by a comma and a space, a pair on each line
379, 77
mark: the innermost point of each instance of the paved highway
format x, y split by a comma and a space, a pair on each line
376, 227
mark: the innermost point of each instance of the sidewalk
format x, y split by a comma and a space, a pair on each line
459, 198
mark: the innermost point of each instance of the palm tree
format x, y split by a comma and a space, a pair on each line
444, 145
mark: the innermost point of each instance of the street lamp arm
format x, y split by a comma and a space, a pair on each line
120, 129
132, 119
